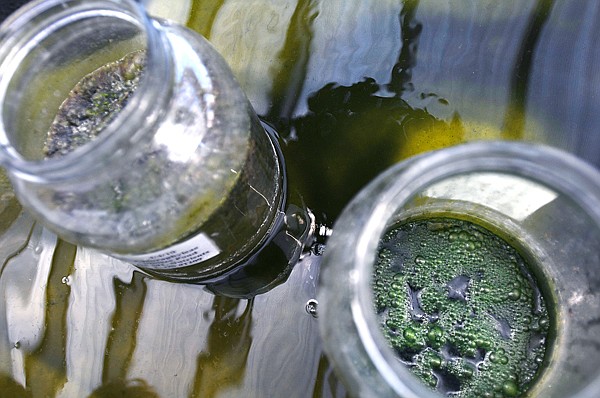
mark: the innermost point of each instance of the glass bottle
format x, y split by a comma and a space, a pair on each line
540, 200
182, 180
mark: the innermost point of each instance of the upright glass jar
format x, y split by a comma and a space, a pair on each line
542, 201
182, 181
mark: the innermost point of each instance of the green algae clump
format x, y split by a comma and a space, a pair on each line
460, 308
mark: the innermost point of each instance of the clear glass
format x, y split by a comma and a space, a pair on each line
543, 201
184, 181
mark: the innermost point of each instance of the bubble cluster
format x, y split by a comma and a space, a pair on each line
460, 308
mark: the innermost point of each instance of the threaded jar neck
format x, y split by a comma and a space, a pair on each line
46, 48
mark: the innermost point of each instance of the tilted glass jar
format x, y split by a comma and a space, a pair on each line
183, 181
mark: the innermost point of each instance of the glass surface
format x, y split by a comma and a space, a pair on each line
352, 87
131, 136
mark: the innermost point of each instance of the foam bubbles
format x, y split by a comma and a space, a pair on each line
459, 307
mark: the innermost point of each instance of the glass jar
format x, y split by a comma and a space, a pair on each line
182, 180
542, 201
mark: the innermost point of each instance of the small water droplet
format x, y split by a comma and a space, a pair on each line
514, 295
38, 249
318, 249
311, 307
66, 280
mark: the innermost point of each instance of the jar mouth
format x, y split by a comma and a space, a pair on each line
46, 48
375, 209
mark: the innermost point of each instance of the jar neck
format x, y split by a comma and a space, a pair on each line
46, 48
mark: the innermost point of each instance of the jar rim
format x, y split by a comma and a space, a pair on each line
551, 167
39, 19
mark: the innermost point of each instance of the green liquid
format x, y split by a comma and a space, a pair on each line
460, 308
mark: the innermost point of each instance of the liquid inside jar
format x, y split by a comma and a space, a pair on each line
461, 308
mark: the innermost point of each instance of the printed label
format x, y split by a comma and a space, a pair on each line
192, 251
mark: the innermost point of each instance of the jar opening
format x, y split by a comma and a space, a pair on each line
47, 49
539, 197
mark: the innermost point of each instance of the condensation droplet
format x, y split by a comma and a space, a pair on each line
318, 249
311, 307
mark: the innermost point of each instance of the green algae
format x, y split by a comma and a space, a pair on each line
461, 308
93, 103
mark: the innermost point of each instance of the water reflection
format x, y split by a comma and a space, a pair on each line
202, 15
486, 60
108, 326
222, 363
564, 85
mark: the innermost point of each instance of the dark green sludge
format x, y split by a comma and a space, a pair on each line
460, 308
93, 103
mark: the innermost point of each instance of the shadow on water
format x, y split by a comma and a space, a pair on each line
294, 58
125, 320
514, 122
223, 363
349, 135
47, 365
352, 133
135, 388
410, 30
203, 14
11, 388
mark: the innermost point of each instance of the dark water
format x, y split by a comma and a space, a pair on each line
356, 87
352, 87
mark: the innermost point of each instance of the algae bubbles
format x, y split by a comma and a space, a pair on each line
460, 308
